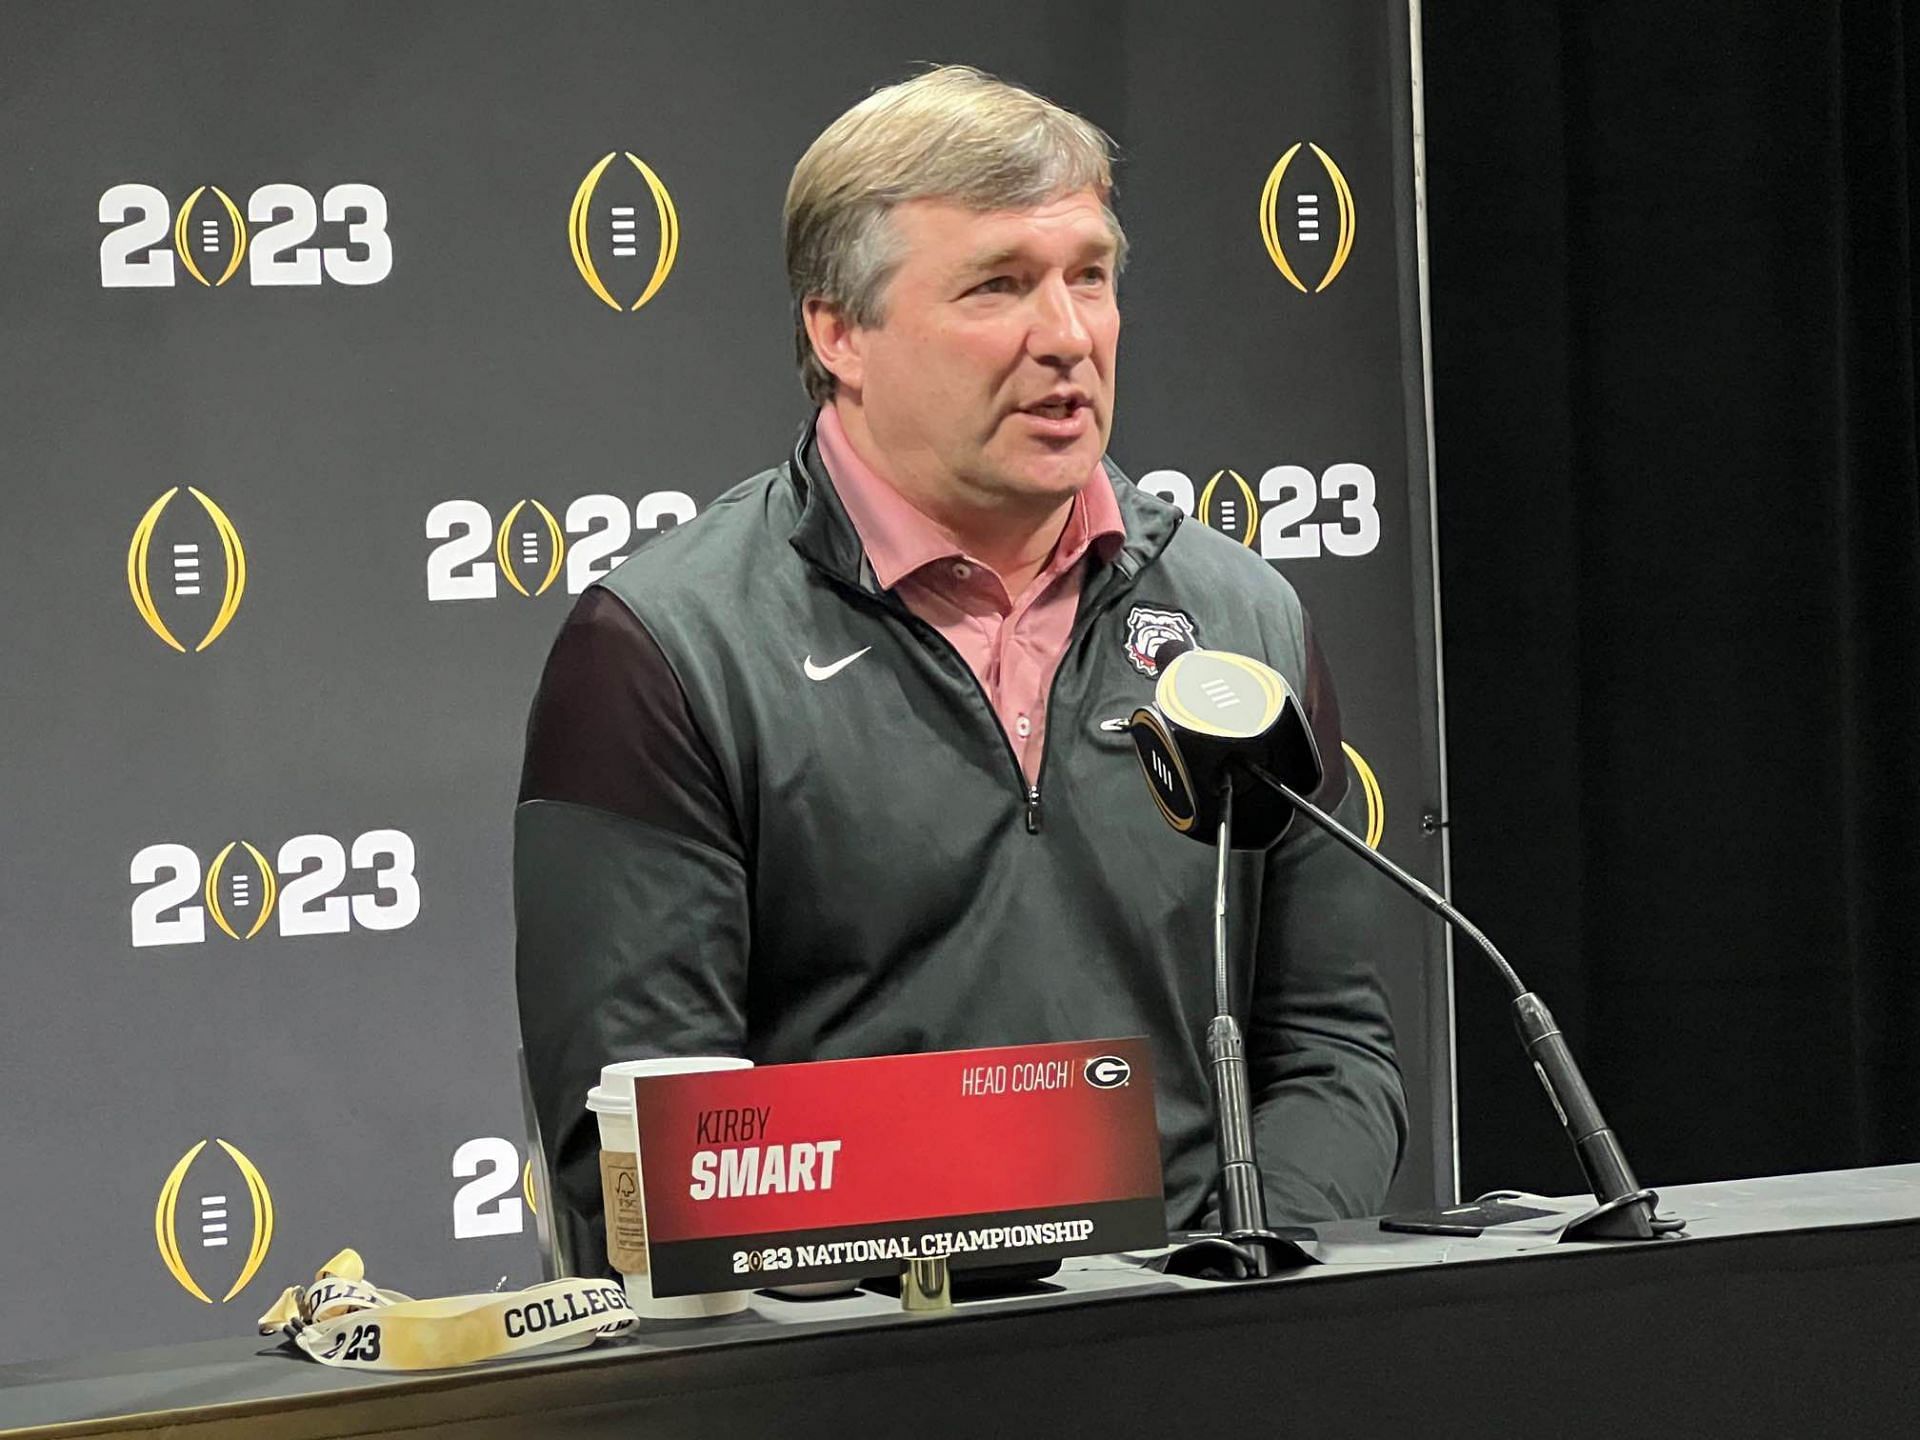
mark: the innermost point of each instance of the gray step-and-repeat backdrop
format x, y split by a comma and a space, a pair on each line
344, 343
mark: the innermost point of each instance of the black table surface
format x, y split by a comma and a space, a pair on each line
1792, 1307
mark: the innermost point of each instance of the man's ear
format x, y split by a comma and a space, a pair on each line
836, 341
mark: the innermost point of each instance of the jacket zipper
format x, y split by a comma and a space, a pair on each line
1032, 792
1110, 592
1082, 624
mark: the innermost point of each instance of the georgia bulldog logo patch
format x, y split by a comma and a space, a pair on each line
1149, 631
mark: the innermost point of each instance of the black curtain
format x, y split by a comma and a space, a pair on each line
1672, 260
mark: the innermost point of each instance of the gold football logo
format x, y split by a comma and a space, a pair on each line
623, 230
214, 1229
1376, 801
185, 571
208, 234
528, 549
241, 885
1235, 514
1305, 228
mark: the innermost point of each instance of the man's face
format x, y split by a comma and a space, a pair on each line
989, 385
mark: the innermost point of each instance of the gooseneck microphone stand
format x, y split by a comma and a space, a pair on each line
1626, 1208
1245, 1248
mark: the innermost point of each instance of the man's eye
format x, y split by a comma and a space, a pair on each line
1093, 275
998, 285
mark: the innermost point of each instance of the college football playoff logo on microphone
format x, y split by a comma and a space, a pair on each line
1148, 633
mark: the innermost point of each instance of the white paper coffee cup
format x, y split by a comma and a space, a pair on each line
611, 1102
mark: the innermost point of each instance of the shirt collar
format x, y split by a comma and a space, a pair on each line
899, 539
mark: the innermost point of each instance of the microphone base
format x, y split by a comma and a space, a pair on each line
1237, 1255
1630, 1217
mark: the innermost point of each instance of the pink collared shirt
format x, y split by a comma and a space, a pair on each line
1013, 643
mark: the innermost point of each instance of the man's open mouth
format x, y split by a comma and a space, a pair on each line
1056, 407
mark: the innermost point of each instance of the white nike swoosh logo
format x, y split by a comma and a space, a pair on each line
827, 672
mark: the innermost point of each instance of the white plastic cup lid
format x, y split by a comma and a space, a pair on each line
614, 1094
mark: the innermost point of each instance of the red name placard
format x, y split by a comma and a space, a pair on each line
847, 1168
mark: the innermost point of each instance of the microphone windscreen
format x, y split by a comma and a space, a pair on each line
1219, 694
1213, 714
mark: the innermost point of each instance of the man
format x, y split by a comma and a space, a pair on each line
823, 773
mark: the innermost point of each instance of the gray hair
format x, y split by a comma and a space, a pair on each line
954, 134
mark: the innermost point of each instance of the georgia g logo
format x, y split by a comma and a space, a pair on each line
1107, 1072
216, 1225
1149, 631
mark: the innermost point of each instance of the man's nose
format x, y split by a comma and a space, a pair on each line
1059, 335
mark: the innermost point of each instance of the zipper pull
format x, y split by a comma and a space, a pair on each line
1033, 810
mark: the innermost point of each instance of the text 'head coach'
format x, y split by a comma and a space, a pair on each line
822, 773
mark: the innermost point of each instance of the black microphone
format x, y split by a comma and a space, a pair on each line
1212, 714
1208, 710
1224, 729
